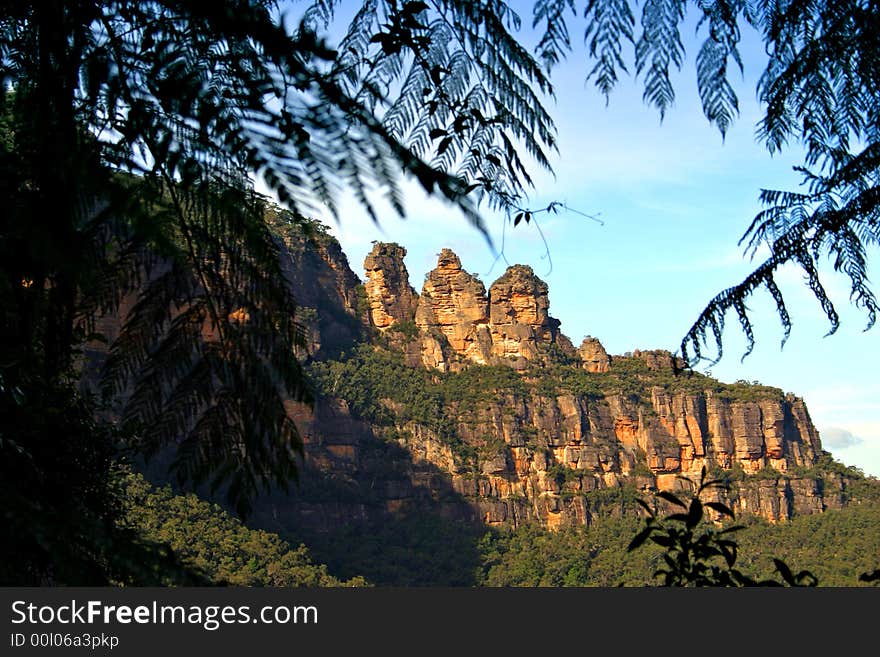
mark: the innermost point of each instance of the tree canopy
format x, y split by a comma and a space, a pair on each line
819, 87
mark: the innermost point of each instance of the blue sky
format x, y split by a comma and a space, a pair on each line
675, 198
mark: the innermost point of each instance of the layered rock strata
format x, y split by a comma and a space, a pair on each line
540, 453
453, 315
552, 458
560, 459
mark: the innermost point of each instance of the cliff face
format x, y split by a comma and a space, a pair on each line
472, 404
319, 278
534, 450
555, 459
323, 285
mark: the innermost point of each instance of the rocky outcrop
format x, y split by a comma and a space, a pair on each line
543, 457
391, 298
593, 355
659, 359
566, 449
714, 430
457, 321
323, 284
562, 459
453, 315
519, 323
317, 274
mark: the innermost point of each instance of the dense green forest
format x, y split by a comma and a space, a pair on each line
376, 371
214, 545
836, 546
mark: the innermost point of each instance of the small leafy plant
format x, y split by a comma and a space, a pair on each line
697, 553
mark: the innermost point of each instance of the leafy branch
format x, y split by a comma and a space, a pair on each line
696, 553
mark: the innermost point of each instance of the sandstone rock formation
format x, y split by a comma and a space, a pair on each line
519, 323
553, 459
593, 355
543, 457
453, 312
392, 299
534, 451
458, 322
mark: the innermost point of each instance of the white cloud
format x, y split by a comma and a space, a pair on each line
862, 450
835, 438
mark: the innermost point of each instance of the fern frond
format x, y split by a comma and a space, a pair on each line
659, 47
440, 73
555, 41
719, 100
609, 24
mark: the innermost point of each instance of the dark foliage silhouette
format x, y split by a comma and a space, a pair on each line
696, 553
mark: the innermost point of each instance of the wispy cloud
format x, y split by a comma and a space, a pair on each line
837, 438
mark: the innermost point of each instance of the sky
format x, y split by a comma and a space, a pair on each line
674, 199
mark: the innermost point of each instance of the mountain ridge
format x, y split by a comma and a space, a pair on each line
470, 405
570, 429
